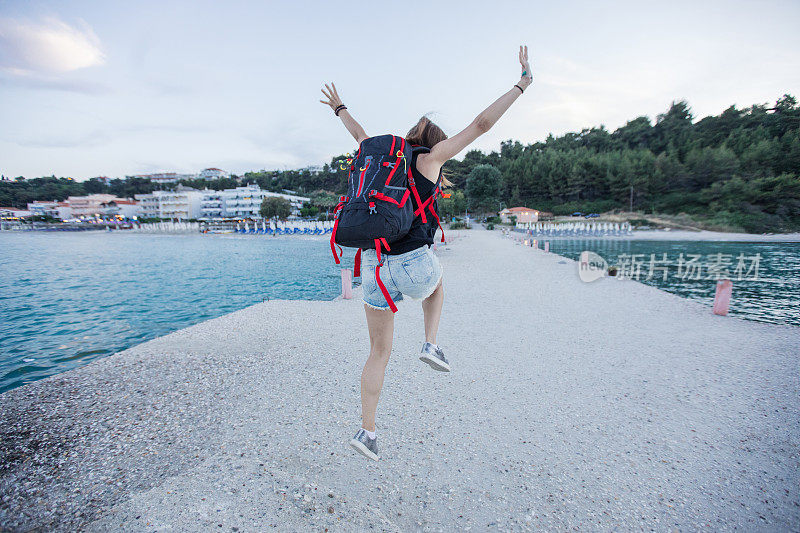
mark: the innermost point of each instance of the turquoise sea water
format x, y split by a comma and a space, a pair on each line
69, 298
773, 295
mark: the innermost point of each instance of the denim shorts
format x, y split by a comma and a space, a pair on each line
415, 274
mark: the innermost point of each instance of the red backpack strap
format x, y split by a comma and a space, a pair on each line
333, 243
381, 286
385, 198
421, 206
336, 211
357, 264
399, 157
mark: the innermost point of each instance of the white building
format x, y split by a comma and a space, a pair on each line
243, 202
39, 207
89, 206
213, 174
524, 215
182, 203
123, 208
12, 213
166, 177
64, 211
60, 210
174, 177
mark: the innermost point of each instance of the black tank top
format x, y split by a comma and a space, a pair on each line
421, 233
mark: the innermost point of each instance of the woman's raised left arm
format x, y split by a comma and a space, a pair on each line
448, 148
339, 108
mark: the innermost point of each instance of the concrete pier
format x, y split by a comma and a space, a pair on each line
602, 406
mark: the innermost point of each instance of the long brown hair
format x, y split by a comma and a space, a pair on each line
427, 134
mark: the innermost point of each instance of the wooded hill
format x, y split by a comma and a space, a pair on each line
740, 169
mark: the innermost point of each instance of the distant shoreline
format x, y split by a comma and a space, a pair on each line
650, 235
703, 235
686, 235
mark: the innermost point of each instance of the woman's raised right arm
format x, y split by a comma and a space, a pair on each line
449, 148
349, 122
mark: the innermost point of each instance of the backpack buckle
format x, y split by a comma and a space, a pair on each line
372, 207
342, 199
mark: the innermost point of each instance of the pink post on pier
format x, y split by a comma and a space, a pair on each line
546, 246
347, 284
722, 297
584, 262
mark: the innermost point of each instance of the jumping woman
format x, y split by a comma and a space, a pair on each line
413, 269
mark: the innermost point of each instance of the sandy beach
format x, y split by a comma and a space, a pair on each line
602, 406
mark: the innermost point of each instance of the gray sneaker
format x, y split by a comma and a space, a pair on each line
364, 445
434, 356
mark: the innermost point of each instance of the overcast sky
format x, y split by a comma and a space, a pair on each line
113, 88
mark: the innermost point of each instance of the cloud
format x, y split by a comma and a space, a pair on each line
48, 47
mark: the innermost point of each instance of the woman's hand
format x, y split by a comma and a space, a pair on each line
349, 122
333, 97
527, 73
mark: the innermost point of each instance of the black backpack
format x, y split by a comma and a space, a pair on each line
376, 210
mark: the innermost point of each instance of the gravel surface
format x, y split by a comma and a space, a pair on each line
602, 406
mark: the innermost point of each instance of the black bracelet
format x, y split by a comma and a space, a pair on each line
518, 87
338, 109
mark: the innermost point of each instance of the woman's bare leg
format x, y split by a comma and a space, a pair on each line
432, 308
381, 330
